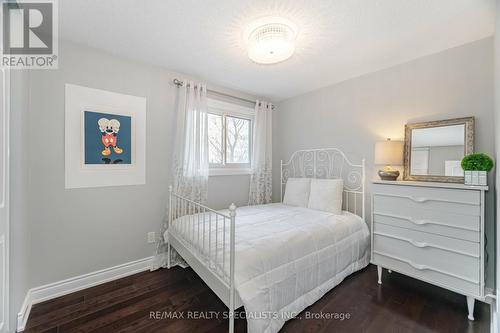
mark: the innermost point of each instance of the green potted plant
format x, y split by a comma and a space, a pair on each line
475, 167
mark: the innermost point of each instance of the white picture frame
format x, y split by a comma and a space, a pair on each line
78, 173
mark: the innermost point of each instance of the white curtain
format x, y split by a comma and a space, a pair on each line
190, 162
190, 159
261, 164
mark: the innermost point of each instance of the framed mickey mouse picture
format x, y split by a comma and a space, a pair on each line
105, 138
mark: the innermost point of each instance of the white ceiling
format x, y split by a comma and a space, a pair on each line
338, 39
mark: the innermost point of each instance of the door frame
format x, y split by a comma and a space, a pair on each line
4, 326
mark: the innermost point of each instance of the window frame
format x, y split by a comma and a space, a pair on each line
226, 109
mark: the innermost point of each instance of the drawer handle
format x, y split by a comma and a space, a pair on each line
417, 266
411, 241
420, 200
418, 244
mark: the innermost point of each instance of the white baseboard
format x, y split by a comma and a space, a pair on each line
64, 287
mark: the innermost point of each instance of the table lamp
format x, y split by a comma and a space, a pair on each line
388, 153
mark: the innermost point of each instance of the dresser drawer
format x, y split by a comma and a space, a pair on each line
445, 224
430, 193
426, 240
413, 199
429, 258
443, 280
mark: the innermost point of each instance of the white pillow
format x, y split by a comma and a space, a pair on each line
326, 195
297, 192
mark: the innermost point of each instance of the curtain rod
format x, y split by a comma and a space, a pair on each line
179, 83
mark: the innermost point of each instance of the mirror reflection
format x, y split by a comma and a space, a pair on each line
437, 151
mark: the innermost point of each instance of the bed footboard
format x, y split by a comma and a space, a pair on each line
206, 237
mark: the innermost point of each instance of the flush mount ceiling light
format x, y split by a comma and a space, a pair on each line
271, 40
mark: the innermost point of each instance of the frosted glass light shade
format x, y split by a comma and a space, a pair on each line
389, 152
271, 40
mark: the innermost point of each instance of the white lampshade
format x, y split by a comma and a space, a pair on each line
389, 152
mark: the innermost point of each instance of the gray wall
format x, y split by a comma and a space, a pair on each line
354, 114
224, 190
73, 232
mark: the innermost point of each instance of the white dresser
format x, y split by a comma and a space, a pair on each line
431, 231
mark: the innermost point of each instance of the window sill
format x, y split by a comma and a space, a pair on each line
229, 172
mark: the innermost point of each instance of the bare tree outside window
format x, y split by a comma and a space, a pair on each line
229, 139
237, 140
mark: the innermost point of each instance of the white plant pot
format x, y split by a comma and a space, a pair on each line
483, 180
475, 178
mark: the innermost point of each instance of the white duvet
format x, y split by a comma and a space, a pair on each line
286, 257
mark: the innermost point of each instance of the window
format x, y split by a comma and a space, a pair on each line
229, 137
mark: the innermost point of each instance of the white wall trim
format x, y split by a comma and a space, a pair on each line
222, 107
5, 204
229, 171
494, 324
64, 287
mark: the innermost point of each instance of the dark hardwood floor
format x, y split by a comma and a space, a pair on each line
143, 303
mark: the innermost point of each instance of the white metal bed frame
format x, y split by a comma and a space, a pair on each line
313, 163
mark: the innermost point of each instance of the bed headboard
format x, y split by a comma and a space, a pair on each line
330, 163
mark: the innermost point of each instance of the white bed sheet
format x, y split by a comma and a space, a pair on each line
286, 257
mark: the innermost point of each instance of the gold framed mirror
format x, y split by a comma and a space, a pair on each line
433, 150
